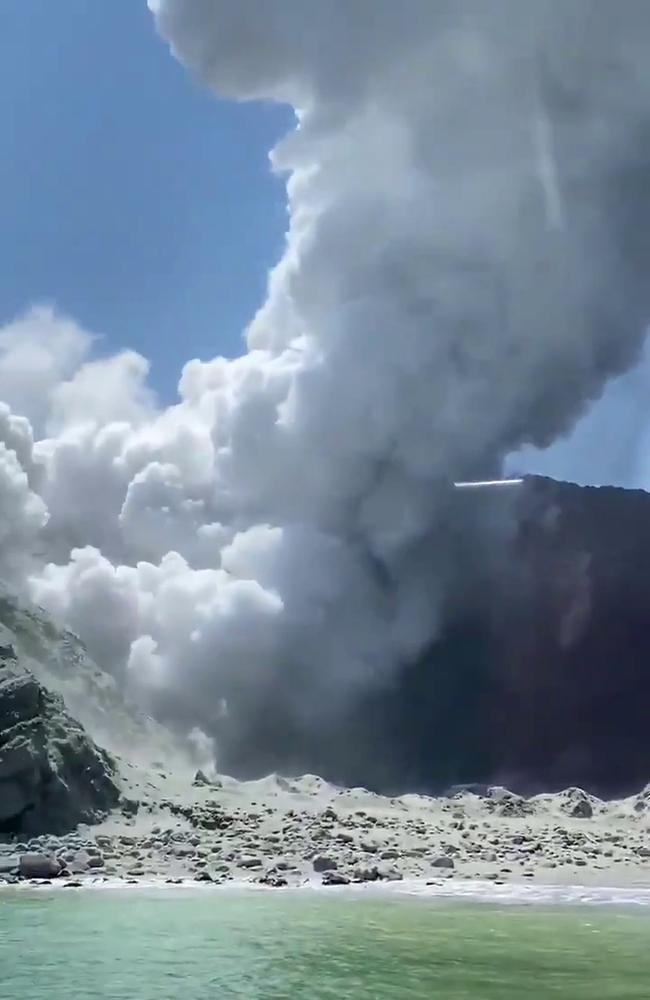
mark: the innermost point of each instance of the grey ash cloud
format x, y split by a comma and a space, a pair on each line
465, 269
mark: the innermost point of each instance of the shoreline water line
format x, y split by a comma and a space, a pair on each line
474, 891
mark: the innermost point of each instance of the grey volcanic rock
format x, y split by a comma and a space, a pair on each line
58, 660
52, 775
66, 726
39, 866
335, 878
321, 863
201, 779
578, 804
442, 861
9, 864
248, 861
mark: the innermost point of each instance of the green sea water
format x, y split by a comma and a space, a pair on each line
158, 945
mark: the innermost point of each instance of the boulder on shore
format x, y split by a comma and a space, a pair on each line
39, 866
321, 863
442, 861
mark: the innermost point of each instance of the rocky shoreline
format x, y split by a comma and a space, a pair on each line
93, 792
282, 832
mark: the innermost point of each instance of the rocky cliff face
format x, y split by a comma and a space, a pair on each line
52, 775
72, 745
569, 633
60, 663
542, 678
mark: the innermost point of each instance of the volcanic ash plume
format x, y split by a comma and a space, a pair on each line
465, 268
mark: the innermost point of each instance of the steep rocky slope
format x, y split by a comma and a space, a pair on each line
52, 775
72, 746
58, 659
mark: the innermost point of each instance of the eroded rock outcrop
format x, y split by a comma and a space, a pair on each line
52, 775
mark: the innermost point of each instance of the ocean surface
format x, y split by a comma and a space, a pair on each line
160, 945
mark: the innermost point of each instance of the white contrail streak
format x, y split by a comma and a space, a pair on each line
488, 482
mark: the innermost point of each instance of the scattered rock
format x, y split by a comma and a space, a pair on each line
247, 861
367, 874
39, 866
443, 861
201, 780
582, 809
576, 803
335, 878
77, 866
9, 865
507, 804
321, 863
273, 880
369, 847
207, 815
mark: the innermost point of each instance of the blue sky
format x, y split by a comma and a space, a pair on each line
131, 198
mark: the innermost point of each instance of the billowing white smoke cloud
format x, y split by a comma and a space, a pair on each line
38, 351
462, 275
23, 513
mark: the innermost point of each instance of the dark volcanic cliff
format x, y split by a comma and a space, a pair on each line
542, 679
542, 676
52, 775
569, 634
